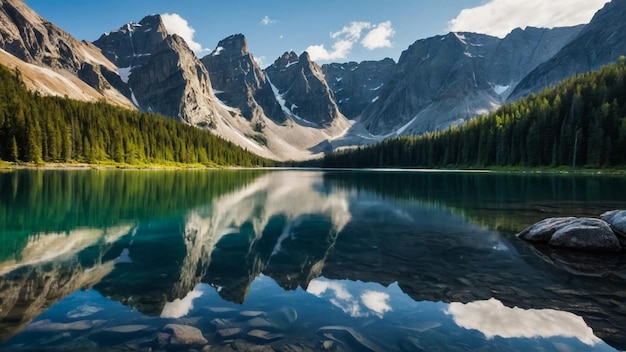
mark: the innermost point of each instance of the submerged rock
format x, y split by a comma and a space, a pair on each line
181, 336
575, 233
350, 337
261, 336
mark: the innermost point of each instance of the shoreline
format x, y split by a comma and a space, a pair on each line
10, 166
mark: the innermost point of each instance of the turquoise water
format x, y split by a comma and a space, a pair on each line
301, 260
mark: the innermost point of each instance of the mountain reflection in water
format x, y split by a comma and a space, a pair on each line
335, 260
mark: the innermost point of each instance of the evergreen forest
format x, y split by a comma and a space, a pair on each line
580, 122
36, 129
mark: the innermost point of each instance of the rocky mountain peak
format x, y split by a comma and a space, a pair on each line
303, 90
285, 60
240, 82
234, 45
132, 44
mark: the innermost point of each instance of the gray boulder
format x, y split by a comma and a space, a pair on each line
575, 233
617, 220
587, 234
543, 230
181, 336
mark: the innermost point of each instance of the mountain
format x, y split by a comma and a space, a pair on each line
162, 73
53, 62
446, 80
355, 85
601, 42
301, 88
240, 82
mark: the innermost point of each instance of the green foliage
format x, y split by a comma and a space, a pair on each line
580, 122
50, 129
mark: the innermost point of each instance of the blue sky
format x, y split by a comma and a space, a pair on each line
331, 30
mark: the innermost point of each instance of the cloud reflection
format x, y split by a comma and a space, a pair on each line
338, 294
376, 301
493, 318
180, 307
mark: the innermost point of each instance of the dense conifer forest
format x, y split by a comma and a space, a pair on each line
38, 129
580, 122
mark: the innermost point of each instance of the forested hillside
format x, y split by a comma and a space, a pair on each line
580, 122
51, 129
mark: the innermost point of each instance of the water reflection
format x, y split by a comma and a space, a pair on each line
493, 318
344, 261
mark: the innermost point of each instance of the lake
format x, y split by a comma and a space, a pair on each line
302, 260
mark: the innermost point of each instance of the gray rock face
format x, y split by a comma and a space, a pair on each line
240, 82
576, 233
445, 80
617, 220
133, 43
163, 74
301, 84
601, 42
356, 85
33, 39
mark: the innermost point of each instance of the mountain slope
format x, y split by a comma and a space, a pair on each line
240, 82
581, 121
601, 42
33, 40
356, 85
301, 88
446, 80
162, 73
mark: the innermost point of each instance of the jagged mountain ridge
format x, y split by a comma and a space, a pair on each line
446, 80
356, 85
240, 82
163, 75
302, 89
52, 61
463, 75
601, 42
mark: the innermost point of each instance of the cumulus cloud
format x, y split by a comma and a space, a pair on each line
175, 24
266, 21
500, 17
353, 31
377, 37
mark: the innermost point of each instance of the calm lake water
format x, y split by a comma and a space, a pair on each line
301, 261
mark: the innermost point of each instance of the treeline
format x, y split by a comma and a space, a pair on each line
39, 129
580, 122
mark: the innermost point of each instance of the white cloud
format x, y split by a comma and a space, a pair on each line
340, 50
266, 21
352, 32
179, 26
493, 318
500, 17
379, 37
260, 61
